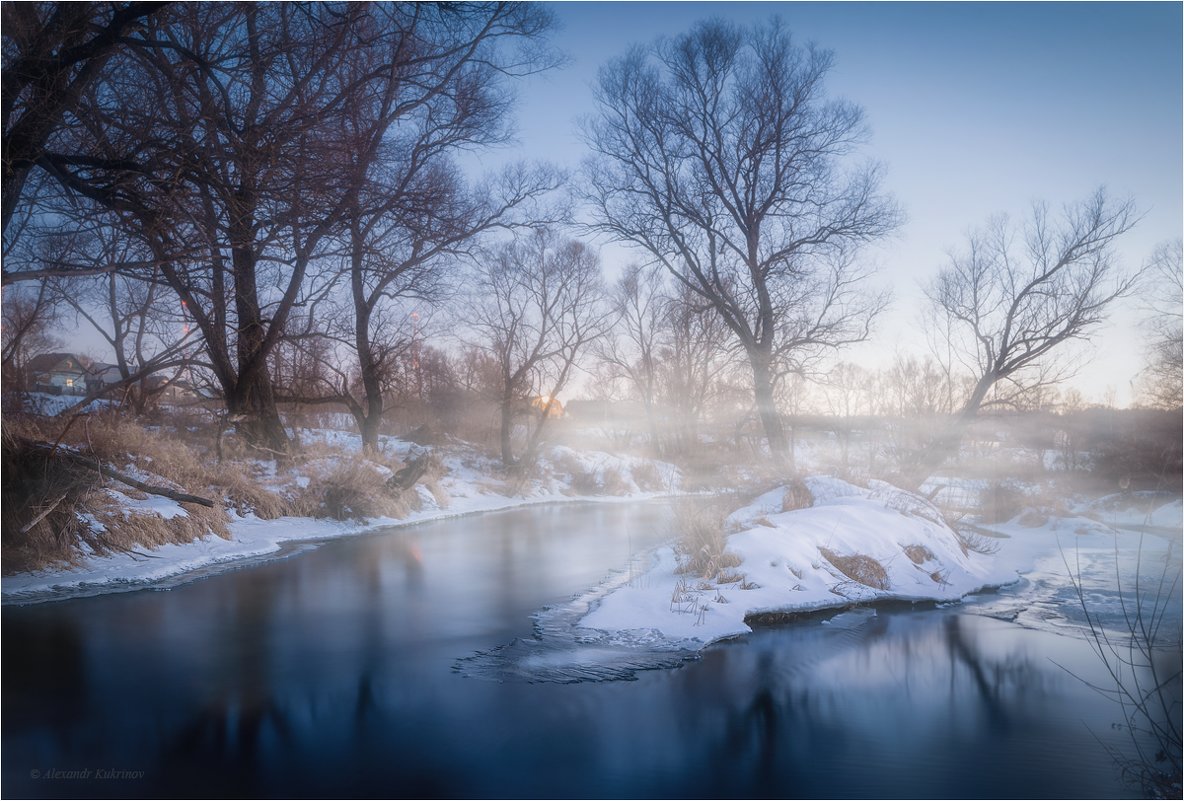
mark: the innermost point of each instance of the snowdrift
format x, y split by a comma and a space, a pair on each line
852, 545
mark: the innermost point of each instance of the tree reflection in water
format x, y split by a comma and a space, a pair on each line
333, 674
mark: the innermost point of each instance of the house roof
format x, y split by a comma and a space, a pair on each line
58, 363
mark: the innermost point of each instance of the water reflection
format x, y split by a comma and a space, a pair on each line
332, 674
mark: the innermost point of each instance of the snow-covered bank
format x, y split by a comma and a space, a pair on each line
853, 545
468, 488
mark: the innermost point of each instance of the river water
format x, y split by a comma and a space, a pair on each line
413, 663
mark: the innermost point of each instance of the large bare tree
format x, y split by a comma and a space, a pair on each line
1009, 302
719, 155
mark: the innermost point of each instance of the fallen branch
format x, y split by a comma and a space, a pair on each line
183, 497
110, 472
406, 477
44, 514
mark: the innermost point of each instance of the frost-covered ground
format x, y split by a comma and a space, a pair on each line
469, 485
804, 559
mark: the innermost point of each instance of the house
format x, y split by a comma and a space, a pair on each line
58, 373
102, 375
172, 389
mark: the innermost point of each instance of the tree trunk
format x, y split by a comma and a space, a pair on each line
762, 382
369, 430
254, 397
368, 422
253, 400
507, 432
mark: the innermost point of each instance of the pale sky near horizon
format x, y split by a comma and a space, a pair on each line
975, 109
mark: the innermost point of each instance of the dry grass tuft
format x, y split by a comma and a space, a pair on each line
82, 517
859, 568
648, 477
702, 543
797, 496
353, 489
184, 461
919, 554
125, 530
613, 482
36, 483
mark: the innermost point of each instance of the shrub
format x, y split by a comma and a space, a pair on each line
613, 482
1001, 501
354, 489
648, 477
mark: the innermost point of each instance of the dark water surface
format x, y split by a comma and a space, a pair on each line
348, 671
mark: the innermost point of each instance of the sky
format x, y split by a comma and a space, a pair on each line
975, 109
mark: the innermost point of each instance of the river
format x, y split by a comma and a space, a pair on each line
412, 663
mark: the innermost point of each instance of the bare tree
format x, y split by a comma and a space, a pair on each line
1009, 302
719, 155
916, 388
229, 148
400, 249
538, 305
1163, 382
693, 357
629, 351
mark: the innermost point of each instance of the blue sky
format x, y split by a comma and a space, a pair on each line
975, 109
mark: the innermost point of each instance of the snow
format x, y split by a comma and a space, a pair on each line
153, 504
1146, 508
47, 405
784, 569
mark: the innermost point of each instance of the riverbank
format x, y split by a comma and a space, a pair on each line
123, 535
